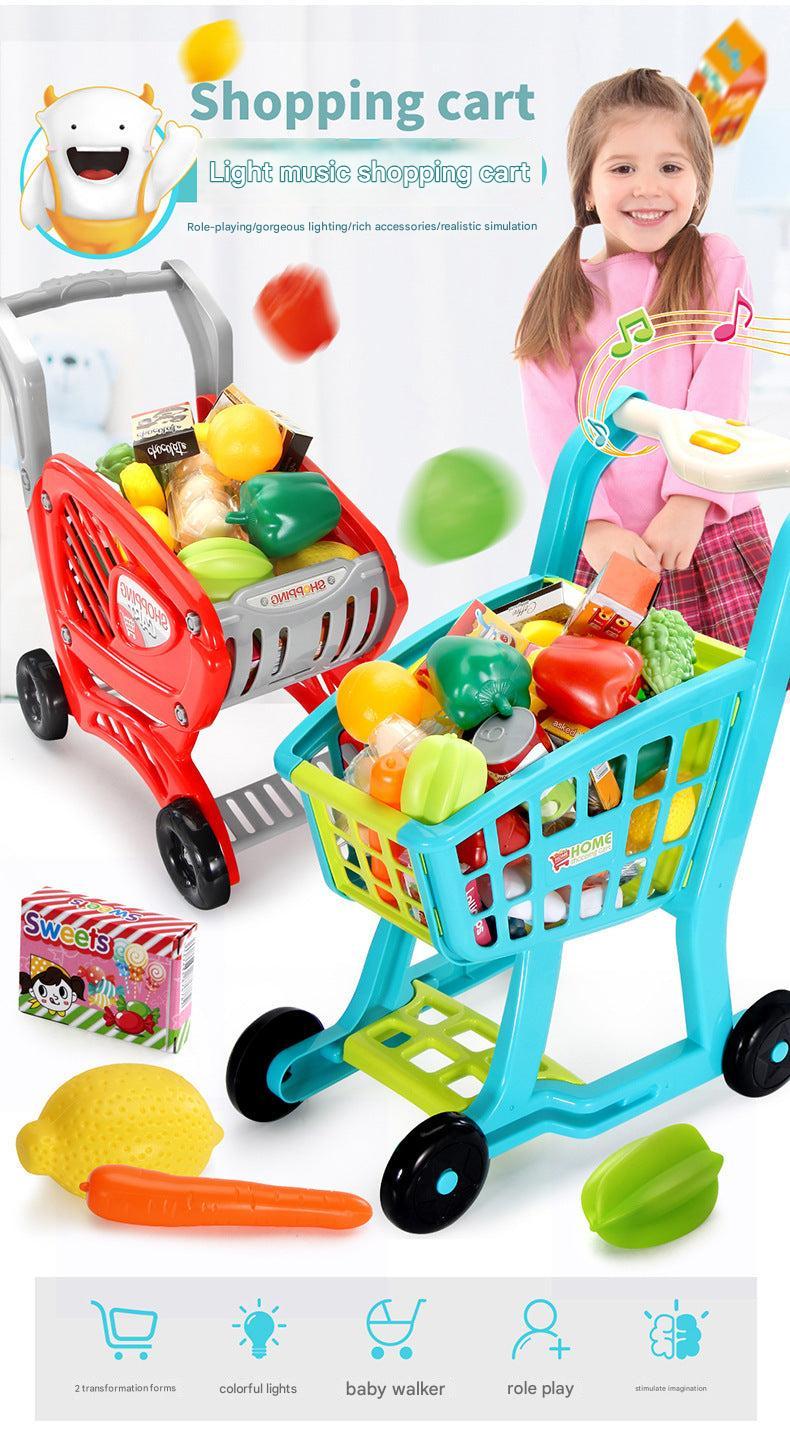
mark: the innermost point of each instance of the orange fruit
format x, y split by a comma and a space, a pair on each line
373, 691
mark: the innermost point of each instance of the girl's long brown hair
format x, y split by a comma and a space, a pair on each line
561, 303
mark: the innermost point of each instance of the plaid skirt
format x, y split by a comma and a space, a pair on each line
718, 593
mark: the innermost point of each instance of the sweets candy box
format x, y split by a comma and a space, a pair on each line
105, 968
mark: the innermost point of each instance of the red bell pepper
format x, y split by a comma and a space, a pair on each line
587, 679
296, 312
512, 835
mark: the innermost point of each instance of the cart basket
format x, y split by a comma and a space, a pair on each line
605, 866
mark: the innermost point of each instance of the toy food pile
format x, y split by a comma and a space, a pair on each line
504, 689
227, 495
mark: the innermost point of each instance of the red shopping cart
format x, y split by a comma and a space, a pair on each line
143, 658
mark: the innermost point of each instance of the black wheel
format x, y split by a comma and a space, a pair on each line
41, 695
757, 1052
192, 854
251, 1058
435, 1174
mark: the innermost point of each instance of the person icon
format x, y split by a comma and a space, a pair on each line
540, 1317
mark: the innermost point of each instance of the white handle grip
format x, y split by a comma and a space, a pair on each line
711, 452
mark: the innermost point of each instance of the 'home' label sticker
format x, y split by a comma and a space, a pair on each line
570, 855
138, 614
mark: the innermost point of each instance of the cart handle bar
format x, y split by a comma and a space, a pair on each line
205, 326
716, 453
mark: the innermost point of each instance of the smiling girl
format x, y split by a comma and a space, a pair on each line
640, 162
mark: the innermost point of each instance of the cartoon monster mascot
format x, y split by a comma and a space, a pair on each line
101, 182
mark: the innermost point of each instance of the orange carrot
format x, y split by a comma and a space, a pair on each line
150, 1199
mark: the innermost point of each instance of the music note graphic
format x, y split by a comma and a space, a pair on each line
599, 431
726, 331
634, 328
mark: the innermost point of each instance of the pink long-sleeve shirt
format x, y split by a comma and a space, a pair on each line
711, 378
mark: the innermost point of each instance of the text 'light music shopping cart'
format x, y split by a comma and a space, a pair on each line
488, 1088
143, 658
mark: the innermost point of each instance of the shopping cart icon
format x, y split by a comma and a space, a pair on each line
388, 1331
127, 1329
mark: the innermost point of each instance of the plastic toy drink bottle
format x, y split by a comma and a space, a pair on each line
387, 776
386, 784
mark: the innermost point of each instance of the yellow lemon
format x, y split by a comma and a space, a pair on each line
130, 1113
141, 487
314, 555
644, 818
242, 440
160, 523
211, 51
540, 633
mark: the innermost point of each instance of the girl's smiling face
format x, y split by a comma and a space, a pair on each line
642, 185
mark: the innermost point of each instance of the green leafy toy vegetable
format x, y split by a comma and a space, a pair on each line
111, 465
654, 1190
666, 644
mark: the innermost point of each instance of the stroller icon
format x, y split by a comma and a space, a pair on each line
127, 1329
388, 1331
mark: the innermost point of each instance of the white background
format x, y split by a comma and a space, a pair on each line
421, 364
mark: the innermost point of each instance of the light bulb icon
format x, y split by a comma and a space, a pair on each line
259, 1327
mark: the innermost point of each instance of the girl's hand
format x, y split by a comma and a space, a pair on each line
601, 539
675, 530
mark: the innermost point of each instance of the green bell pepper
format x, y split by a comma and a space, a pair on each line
651, 760
285, 511
473, 678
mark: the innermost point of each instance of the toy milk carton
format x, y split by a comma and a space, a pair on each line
107, 969
731, 75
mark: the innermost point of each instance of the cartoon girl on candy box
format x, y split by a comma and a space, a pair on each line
101, 182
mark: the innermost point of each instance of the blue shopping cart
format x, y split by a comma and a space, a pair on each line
127, 1329
674, 845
